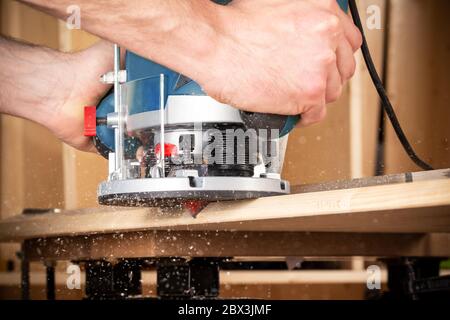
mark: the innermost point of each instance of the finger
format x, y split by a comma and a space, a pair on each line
334, 85
330, 5
346, 63
313, 114
351, 32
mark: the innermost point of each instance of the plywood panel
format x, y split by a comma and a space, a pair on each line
418, 81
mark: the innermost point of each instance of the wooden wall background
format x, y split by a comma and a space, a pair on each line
343, 145
419, 81
38, 171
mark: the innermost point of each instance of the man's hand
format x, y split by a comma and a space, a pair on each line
51, 87
85, 68
282, 56
272, 56
276, 56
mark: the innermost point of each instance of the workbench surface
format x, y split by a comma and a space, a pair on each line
396, 219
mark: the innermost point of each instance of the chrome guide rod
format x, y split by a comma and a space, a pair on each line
162, 119
118, 132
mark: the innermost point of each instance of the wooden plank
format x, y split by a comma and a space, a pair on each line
418, 82
229, 277
258, 291
276, 285
235, 277
373, 181
415, 207
145, 244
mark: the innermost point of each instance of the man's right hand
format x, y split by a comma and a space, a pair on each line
272, 56
281, 56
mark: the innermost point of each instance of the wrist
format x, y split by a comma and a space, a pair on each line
33, 85
181, 35
190, 39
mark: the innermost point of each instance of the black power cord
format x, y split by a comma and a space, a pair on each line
385, 102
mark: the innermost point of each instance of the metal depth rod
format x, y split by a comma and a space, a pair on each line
162, 119
118, 132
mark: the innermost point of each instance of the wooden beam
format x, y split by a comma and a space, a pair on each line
329, 284
143, 244
417, 207
373, 181
229, 277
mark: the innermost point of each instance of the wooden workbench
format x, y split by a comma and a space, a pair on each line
374, 219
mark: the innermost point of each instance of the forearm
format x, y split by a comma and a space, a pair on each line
176, 33
32, 80
273, 56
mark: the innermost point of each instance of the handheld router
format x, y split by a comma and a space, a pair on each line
167, 142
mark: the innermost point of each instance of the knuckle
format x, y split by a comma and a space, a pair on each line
329, 25
333, 23
329, 4
296, 108
314, 116
314, 90
328, 58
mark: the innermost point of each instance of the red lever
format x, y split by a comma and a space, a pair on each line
90, 121
169, 149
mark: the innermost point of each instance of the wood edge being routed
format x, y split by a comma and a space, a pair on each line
416, 207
